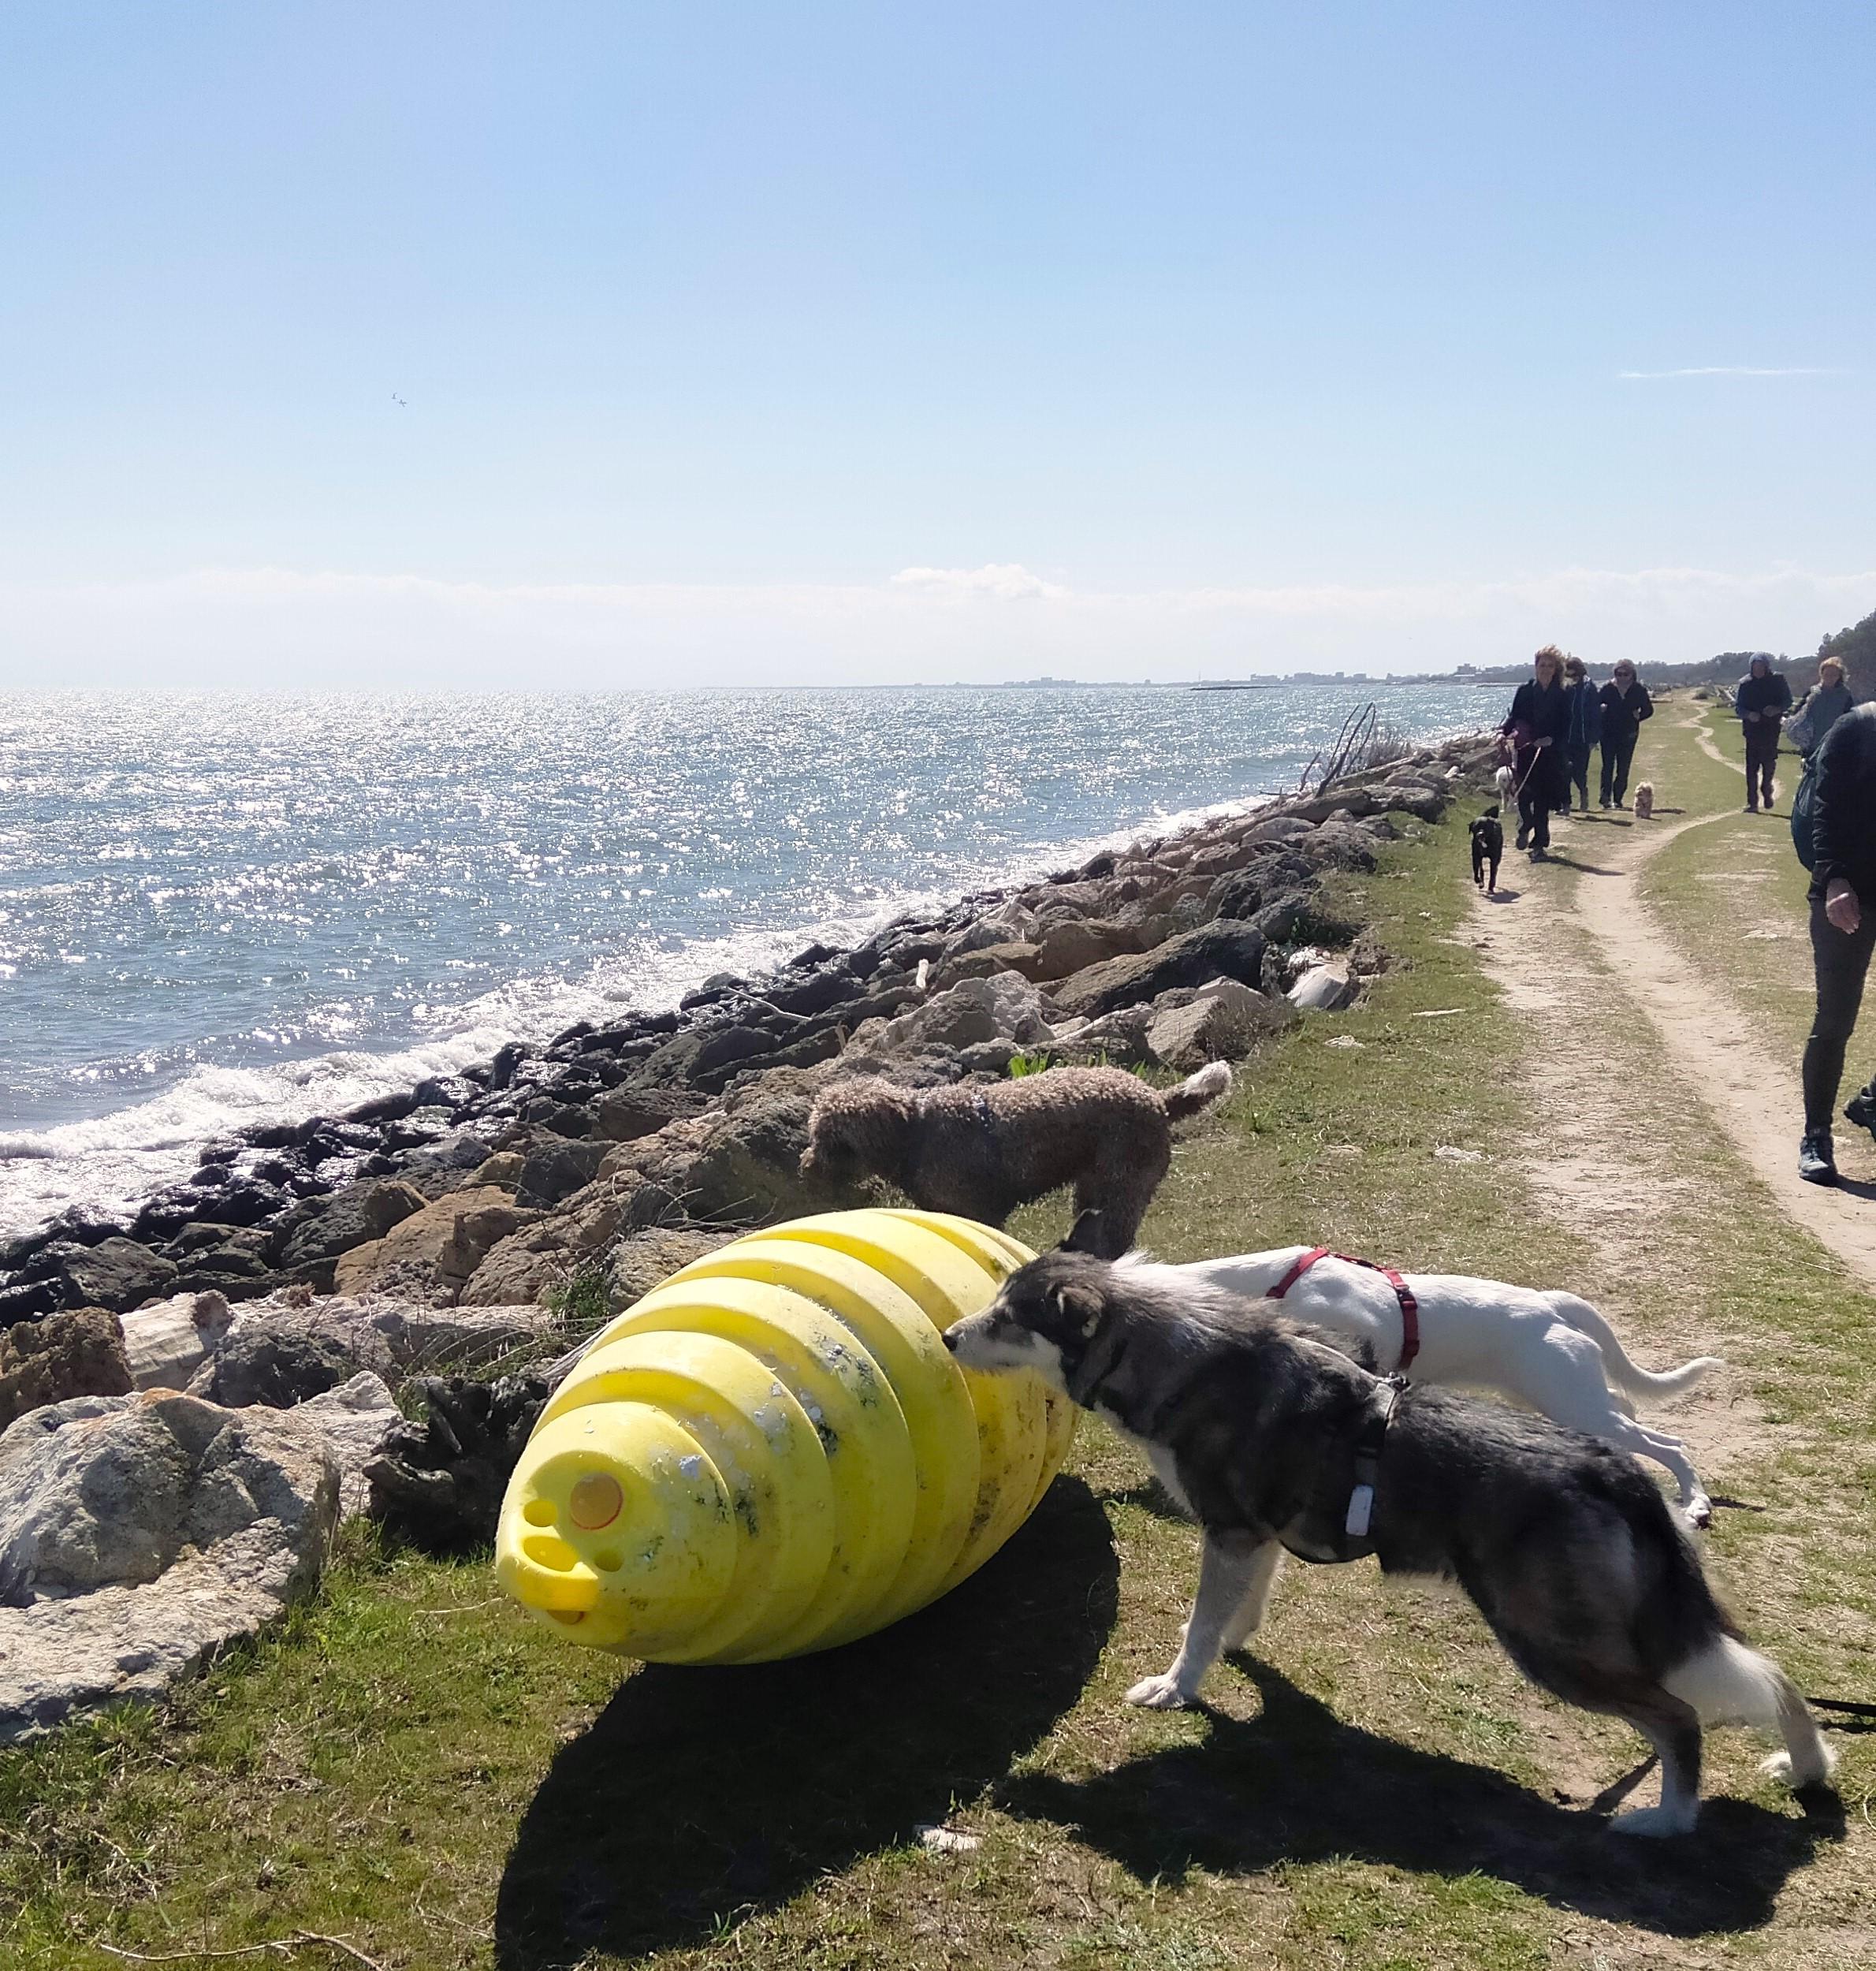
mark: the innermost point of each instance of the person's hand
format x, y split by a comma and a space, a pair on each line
1543, 742
1751, 718
1841, 907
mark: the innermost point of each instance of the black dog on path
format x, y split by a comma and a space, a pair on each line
1488, 849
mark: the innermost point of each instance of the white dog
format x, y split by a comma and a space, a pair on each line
1551, 1350
1506, 781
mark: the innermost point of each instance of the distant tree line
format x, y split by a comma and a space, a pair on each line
1854, 648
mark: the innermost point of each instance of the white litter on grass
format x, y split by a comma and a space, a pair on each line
1440, 1012
947, 1840
1344, 1040
1453, 1155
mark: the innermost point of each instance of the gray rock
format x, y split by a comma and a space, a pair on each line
116, 1273
350, 1217
292, 1356
357, 1419
557, 1169
649, 1258
1226, 948
1006, 1007
141, 1534
1224, 1022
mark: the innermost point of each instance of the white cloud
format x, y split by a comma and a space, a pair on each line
1716, 369
1004, 581
290, 629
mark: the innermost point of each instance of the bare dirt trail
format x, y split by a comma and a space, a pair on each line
1568, 947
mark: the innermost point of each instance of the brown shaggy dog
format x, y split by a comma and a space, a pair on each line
983, 1148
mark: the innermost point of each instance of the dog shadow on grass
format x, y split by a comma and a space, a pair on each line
1296, 1783
699, 1794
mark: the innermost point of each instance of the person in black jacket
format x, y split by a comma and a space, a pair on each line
1762, 700
1537, 726
1843, 928
1626, 704
1583, 727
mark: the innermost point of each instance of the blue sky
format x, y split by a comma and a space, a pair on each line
742, 342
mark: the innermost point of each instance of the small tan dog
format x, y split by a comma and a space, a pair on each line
1644, 801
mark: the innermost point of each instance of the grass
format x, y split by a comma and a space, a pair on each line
1733, 890
410, 1765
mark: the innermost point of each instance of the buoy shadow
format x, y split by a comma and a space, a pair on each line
698, 1794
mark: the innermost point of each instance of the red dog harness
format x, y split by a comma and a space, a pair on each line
1410, 1308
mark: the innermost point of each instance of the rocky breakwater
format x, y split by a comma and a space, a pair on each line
191, 1399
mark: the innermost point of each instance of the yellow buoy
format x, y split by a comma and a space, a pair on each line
773, 1451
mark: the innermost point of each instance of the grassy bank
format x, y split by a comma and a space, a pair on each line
410, 1768
1733, 890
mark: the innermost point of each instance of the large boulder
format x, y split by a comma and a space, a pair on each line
431, 1254
1006, 1007
78, 1353
117, 1274
649, 1258
632, 1111
1074, 943
143, 1533
290, 1355
357, 1417
557, 1169
354, 1217
166, 1344
1224, 1022
1226, 948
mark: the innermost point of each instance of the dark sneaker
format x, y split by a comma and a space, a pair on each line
1816, 1163
1540, 854
1860, 1110
1523, 834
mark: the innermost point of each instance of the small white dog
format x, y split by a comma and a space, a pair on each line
1506, 781
1551, 1350
1644, 801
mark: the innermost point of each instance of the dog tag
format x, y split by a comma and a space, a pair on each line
1361, 1506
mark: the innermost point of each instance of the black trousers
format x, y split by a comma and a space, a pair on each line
1579, 777
1617, 755
1841, 960
1762, 756
1536, 792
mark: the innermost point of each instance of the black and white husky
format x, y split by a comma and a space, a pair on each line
1272, 1438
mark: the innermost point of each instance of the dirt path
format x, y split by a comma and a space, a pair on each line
1576, 931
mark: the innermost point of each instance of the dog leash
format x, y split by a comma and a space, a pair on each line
1410, 1308
1843, 1705
1360, 1515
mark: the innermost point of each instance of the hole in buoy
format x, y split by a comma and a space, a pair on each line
608, 1562
545, 1549
595, 1501
539, 1512
569, 1616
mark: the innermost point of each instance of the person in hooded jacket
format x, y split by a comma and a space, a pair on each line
1762, 700
1843, 929
1582, 729
1821, 707
1626, 704
1536, 727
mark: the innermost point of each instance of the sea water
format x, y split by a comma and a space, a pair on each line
218, 909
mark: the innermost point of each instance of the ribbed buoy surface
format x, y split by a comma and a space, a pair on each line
773, 1453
